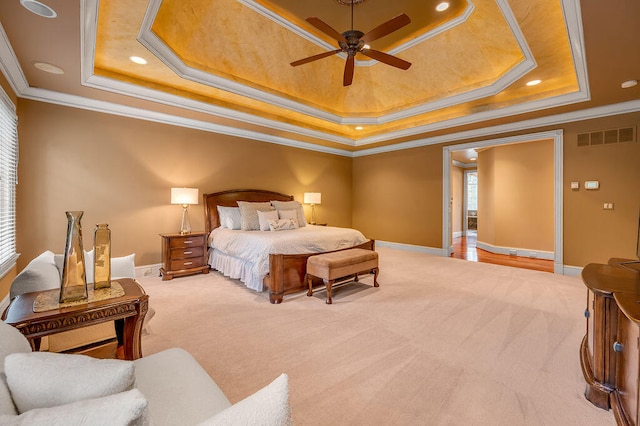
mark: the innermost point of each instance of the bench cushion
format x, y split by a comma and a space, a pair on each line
338, 264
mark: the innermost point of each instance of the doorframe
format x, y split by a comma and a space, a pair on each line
557, 136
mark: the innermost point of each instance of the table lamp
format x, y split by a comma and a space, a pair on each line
184, 196
312, 198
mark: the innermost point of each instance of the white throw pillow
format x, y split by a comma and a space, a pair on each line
6, 402
249, 214
121, 267
265, 217
292, 205
40, 274
11, 341
46, 379
230, 217
125, 408
267, 407
283, 224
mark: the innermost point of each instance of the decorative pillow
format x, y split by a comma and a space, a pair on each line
283, 224
6, 403
267, 407
124, 408
249, 214
265, 217
47, 379
230, 217
40, 274
121, 267
291, 205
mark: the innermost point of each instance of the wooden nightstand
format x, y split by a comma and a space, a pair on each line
183, 255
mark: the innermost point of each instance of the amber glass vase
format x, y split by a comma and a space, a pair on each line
102, 256
74, 280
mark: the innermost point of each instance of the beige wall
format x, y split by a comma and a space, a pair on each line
119, 171
398, 195
516, 191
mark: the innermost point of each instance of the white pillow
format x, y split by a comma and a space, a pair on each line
249, 214
6, 403
283, 224
121, 267
230, 217
40, 274
267, 407
124, 408
288, 214
47, 379
292, 205
265, 217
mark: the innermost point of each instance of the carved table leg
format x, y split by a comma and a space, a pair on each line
375, 277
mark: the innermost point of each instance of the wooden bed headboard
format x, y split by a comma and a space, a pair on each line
230, 199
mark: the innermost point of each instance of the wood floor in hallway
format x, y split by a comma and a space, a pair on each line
465, 248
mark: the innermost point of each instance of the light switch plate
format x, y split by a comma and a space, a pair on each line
591, 184
575, 185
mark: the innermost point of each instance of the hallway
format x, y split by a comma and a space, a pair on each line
465, 248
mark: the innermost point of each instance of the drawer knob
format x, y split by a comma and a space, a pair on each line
188, 263
618, 347
188, 242
188, 252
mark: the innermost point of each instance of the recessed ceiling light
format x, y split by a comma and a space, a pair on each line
629, 83
50, 68
441, 7
38, 8
534, 82
359, 127
138, 60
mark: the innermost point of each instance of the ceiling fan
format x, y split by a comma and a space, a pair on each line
353, 41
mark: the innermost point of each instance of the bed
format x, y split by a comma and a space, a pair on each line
285, 272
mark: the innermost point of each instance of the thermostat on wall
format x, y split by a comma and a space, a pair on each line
591, 184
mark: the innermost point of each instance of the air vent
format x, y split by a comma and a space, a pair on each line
605, 137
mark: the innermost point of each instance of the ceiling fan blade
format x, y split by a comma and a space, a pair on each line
387, 28
348, 71
315, 57
325, 28
386, 58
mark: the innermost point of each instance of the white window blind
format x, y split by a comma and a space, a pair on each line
8, 182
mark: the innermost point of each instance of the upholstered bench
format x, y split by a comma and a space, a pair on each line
333, 266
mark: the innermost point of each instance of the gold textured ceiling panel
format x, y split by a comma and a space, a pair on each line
232, 41
541, 23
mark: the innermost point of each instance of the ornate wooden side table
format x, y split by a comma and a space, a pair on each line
131, 307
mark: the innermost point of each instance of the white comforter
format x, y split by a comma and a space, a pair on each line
244, 255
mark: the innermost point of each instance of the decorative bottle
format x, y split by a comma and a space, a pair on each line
102, 256
74, 280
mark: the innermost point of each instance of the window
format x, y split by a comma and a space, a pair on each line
472, 191
8, 182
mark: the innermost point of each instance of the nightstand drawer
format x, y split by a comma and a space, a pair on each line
187, 252
191, 263
187, 241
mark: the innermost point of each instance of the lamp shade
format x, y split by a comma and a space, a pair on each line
312, 197
184, 195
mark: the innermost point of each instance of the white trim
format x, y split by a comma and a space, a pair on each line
521, 252
148, 270
458, 234
572, 271
557, 137
409, 247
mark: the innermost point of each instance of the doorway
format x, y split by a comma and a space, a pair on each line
557, 137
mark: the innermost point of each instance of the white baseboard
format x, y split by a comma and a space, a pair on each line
537, 254
572, 271
410, 247
148, 270
457, 234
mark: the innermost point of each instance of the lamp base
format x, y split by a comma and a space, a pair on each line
185, 226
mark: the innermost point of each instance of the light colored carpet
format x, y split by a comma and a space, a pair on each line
441, 342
